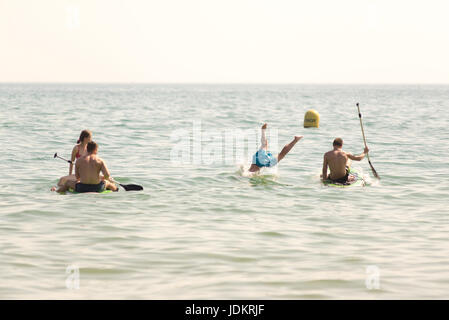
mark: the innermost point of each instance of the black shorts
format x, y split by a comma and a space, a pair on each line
82, 187
344, 179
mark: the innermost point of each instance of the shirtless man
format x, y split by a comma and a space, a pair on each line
339, 162
87, 172
264, 158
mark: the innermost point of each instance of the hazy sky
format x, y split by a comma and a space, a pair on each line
288, 41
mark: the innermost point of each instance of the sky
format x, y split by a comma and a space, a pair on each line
224, 41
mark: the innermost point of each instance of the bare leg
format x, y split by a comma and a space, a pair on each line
110, 186
67, 185
263, 145
63, 180
288, 147
263, 138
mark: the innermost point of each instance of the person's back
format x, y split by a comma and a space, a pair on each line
87, 172
89, 167
339, 162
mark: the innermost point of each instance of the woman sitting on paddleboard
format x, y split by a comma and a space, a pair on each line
79, 150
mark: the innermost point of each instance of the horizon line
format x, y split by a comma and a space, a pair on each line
222, 83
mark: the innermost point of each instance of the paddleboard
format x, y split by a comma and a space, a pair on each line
74, 192
355, 177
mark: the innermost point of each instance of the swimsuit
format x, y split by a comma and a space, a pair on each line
78, 153
342, 180
83, 187
263, 158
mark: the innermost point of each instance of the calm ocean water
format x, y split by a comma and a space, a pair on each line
201, 230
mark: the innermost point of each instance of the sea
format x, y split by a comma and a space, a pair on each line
203, 228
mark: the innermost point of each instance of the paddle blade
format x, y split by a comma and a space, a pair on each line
131, 187
374, 170
56, 154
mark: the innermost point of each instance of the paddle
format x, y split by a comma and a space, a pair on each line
364, 140
56, 156
127, 187
130, 187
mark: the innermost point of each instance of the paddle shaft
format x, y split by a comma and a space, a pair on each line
364, 141
64, 159
363, 131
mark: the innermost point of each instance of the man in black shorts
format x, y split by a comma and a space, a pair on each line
339, 162
87, 172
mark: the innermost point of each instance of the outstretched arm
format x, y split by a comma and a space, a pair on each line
360, 157
73, 160
105, 171
324, 174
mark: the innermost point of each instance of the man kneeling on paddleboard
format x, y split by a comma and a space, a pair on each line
339, 163
87, 172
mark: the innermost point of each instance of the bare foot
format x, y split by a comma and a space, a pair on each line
297, 138
53, 189
264, 126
